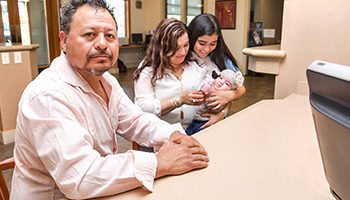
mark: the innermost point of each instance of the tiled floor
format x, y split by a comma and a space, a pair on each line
257, 87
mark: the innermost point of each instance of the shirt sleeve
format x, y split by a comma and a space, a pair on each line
60, 136
144, 128
144, 93
230, 65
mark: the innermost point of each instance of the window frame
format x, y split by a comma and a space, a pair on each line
166, 9
126, 15
202, 9
183, 9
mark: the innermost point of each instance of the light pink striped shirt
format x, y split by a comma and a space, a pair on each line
66, 138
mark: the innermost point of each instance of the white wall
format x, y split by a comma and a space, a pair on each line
312, 29
147, 18
153, 11
142, 21
138, 17
270, 12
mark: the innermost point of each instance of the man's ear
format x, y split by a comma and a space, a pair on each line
63, 40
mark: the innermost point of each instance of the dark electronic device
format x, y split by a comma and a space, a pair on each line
136, 38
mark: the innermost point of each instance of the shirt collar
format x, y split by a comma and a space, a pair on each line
200, 61
67, 74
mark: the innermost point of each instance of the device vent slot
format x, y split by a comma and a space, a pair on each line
331, 109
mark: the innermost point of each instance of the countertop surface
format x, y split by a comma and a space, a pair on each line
267, 151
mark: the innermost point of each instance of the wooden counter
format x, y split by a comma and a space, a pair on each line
131, 46
267, 151
18, 47
131, 55
270, 51
18, 66
264, 59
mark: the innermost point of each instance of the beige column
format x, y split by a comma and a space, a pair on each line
18, 67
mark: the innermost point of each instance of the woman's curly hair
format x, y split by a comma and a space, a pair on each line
162, 47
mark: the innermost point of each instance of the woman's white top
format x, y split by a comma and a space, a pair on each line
149, 97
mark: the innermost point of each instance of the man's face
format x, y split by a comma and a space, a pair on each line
221, 83
92, 43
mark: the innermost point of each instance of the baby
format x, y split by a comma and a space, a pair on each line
227, 80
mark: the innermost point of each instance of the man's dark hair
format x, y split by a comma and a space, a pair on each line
72, 6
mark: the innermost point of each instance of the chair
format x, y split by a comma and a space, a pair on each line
4, 165
135, 146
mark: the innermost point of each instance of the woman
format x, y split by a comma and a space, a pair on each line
166, 82
208, 48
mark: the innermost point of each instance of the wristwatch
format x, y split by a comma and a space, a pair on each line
225, 113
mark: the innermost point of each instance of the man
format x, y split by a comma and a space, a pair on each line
69, 115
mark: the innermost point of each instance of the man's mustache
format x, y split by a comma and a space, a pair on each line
98, 53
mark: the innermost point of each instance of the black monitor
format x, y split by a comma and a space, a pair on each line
148, 39
329, 86
136, 38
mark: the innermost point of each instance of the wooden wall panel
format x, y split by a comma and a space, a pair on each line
15, 24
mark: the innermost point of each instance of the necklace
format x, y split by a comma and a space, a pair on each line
178, 75
178, 72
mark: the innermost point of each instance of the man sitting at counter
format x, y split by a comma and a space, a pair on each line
70, 114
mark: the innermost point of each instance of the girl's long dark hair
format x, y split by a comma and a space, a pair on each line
162, 47
207, 24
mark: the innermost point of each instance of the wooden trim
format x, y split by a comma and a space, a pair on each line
166, 9
128, 15
15, 24
135, 146
5, 164
2, 35
4, 193
43, 66
202, 9
53, 28
132, 46
29, 23
183, 11
126, 21
18, 47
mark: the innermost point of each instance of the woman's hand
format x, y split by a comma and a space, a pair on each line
192, 97
213, 118
218, 99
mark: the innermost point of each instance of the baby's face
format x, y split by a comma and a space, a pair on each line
222, 83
